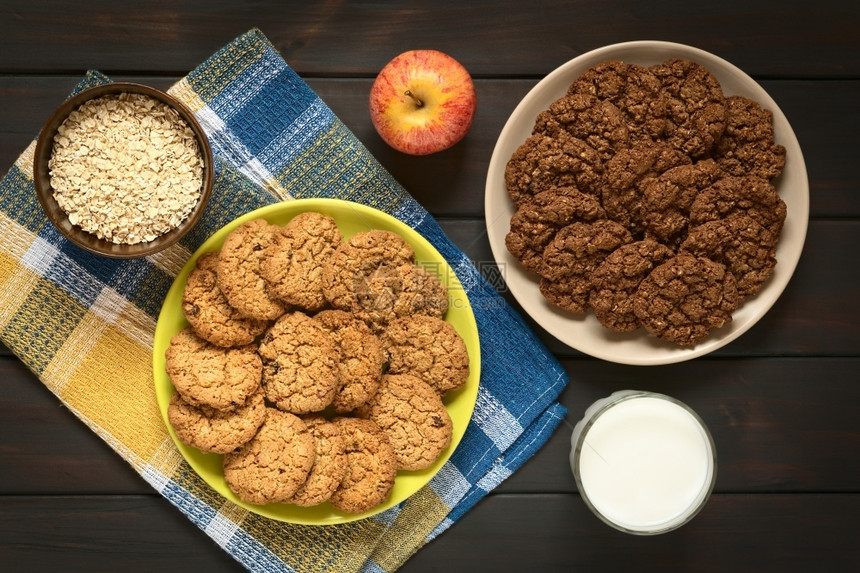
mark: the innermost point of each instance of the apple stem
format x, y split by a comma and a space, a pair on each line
417, 101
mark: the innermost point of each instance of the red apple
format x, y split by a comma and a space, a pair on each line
422, 101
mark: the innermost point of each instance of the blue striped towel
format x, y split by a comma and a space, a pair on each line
274, 140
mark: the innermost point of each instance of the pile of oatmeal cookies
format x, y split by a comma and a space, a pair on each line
316, 364
647, 196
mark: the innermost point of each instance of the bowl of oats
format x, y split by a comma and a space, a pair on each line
123, 170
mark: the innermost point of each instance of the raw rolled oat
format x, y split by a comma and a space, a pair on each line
126, 168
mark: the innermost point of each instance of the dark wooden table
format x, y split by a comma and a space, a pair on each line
783, 401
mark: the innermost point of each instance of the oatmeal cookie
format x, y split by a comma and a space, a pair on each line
239, 274
562, 161
362, 358
423, 293
618, 277
274, 463
536, 222
412, 415
293, 265
208, 312
420, 292
300, 364
696, 106
216, 431
629, 172
746, 248
362, 273
685, 298
371, 466
666, 200
209, 375
429, 348
634, 90
595, 121
751, 195
572, 256
329, 467
747, 146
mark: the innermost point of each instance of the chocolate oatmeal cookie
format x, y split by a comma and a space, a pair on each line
666, 200
595, 121
274, 463
361, 362
746, 248
412, 415
209, 375
685, 298
747, 146
562, 161
300, 364
629, 173
536, 222
208, 312
696, 106
428, 348
572, 256
634, 90
216, 431
330, 465
616, 279
293, 265
750, 195
578, 248
371, 466
568, 293
239, 270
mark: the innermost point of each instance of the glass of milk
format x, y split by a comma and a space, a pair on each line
643, 462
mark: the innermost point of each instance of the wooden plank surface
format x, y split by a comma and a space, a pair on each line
491, 38
545, 532
781, 401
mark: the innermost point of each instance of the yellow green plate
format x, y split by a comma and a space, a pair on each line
351, 218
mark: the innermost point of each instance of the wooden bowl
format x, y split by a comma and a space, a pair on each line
59, 217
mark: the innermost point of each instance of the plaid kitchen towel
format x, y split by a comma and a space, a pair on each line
84, 324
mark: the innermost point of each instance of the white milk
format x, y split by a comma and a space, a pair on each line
643, 462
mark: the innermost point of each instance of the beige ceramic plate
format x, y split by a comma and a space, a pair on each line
351, 218
586, 334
